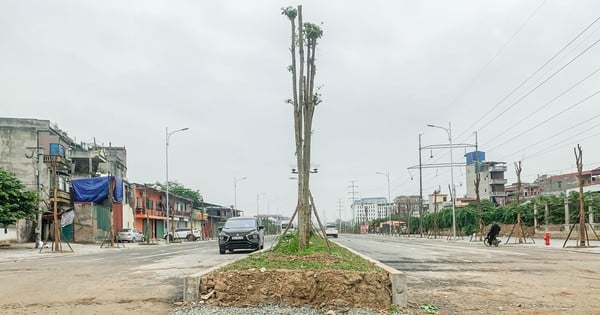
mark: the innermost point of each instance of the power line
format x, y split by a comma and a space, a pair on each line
353, 193
531, 76
546, 105
541, 83
548, 119
538, 142
548, 150
481, 71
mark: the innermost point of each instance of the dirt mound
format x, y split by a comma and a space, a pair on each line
320, 288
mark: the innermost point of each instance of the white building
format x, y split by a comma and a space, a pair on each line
368, 209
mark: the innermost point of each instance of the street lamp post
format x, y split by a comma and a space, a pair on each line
387, 174
453, 190
167, 136
257, 202
235, 181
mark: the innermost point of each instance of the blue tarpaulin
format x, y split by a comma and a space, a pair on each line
95, 189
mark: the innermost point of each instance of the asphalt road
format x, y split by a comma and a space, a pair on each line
90, 274
441, 255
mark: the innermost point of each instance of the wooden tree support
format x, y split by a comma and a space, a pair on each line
585, 242
314, 207
111, 239
583, 239
521, 237
56, 249
312, 204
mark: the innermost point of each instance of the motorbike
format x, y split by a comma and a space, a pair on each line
495, 241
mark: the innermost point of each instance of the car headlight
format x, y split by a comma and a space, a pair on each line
253, 236
223, 238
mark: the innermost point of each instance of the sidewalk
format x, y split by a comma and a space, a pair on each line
22, 251
27, 251
538, 243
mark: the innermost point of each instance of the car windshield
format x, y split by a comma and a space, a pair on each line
331, 226
125, 230
236, 224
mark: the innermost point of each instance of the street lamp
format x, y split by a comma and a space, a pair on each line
235, 181
167, 136
389, 198
453, 191
257, 203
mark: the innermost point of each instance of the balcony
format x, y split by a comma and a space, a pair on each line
497, 168
181, 213
143, 213
61, 196
497, 181
96, 155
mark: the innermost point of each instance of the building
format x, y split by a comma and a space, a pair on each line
409, 206
558, 184
150, 214
368, 209
492, 181
437, 202
36, 151
216, 217
45, 159
528, 191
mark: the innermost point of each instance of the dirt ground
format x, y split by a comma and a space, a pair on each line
543, 286
522, 281
557, 281
320, 288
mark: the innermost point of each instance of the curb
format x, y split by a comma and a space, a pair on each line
191, 284
398, 278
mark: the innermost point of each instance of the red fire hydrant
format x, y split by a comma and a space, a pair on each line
547, 238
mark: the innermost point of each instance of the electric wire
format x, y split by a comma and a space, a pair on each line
498, 52
538, 142
548, 119
558, 146
541, 83
531, 76
543, 106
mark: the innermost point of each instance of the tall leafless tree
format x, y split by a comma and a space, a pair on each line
304, 100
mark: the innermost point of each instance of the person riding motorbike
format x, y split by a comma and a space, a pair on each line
493, 233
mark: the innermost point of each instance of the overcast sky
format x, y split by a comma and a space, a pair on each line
121, 71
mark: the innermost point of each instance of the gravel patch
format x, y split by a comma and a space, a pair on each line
270, 309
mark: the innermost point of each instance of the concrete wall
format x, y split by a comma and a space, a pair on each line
84, 223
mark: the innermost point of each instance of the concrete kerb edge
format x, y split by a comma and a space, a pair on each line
191, 284
398, 279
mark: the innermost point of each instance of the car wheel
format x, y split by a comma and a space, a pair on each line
221, 251
191, 238
133, 240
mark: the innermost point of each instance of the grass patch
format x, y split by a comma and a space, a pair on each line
316, 257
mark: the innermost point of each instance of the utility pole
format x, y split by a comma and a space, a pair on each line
56, 246
420, 190
340, 215
353, 194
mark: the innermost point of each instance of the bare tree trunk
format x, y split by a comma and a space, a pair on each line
304, 104
519, 226
579, 160
479, 212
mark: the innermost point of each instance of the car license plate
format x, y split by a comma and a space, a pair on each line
237, 237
